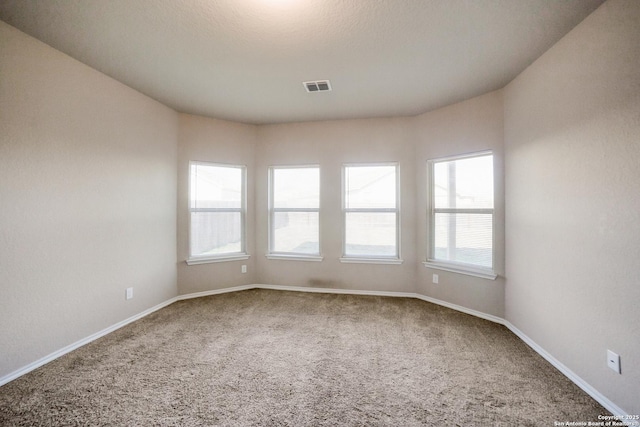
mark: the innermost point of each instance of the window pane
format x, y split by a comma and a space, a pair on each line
296, 188
466, 238
464, 183
296, 232
216, 186
370, 187
214, 233
370, 234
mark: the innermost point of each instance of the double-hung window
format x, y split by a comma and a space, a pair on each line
371, 214
217, 209
460, 214
294, 210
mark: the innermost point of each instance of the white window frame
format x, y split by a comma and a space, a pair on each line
452, 266
230, 256
395, 259
293, 256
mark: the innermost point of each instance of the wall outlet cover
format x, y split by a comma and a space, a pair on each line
613, 361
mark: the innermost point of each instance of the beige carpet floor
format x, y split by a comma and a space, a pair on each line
273, 358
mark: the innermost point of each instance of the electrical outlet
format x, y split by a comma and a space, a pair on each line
613, 361
244, 268
435, 278
129, 293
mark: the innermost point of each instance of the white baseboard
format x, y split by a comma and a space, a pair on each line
214, 292
336, 291
462, 309
595, 394
599, 397
58, 353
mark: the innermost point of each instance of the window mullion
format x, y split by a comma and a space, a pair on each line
451, 245
485, 211
216, 233
296, 209
292, 234
237, 210
371, 210
371, 230
461, 234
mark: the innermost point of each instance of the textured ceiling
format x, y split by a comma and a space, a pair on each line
245, 60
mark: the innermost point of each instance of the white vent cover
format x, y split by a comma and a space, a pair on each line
317, 86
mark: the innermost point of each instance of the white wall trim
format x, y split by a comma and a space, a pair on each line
212, 259
586, 387
483, 274
336, 291
356, 260
58, 353
480, 314
292, 257
460, 308
595, 394
215, 292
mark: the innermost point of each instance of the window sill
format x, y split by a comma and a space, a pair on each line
355, 260
316, 258
482, 273
225, 258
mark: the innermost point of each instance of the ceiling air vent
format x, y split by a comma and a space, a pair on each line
317, 86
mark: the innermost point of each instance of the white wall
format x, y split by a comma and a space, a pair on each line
330, 145
87, 196
466, 127
572, 141
90, 175
217, 141
469, 126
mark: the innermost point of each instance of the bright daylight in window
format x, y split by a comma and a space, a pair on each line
461, 213
217, 211
294, 204
371, 215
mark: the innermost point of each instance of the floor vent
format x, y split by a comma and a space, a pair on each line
317, 86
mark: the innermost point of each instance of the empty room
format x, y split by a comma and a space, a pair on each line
319, 212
